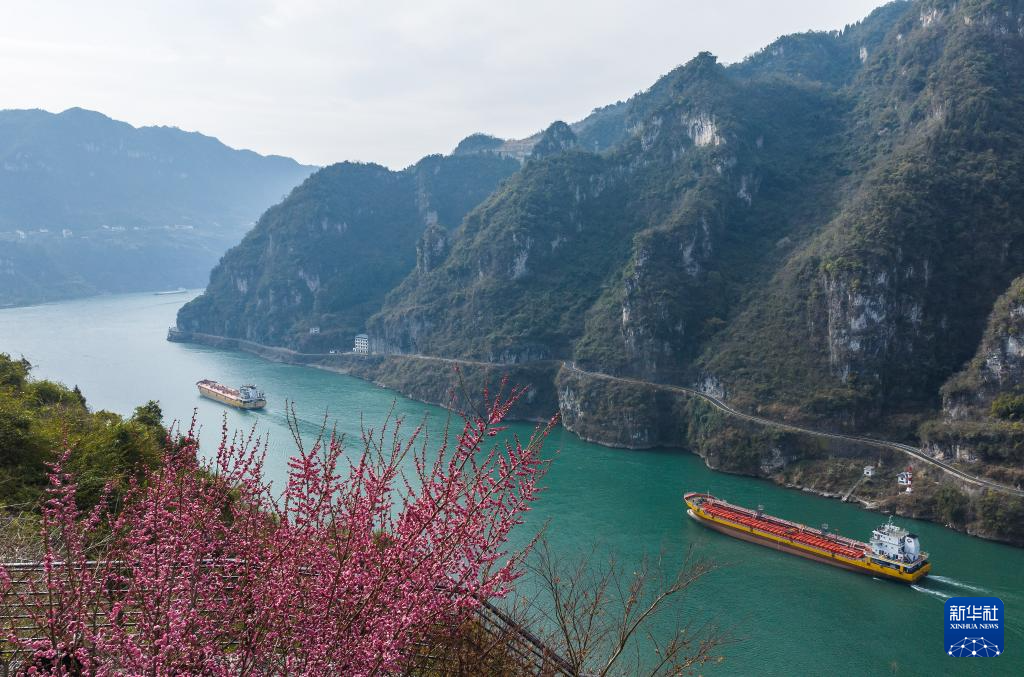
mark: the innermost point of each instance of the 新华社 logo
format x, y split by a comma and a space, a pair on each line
974, 627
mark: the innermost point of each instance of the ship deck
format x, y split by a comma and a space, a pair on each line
218, 388
797, 533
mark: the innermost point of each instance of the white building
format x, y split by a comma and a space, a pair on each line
362, 344
869, 471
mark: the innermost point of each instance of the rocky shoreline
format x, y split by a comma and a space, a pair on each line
636, 416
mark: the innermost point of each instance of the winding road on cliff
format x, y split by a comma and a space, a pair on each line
722, 406
779, 425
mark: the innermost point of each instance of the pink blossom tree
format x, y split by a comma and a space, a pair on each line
203, 569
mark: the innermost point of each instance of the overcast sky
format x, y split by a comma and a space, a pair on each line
382, 81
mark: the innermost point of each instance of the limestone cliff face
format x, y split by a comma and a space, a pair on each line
432, 249
997, 368
859, 330
872, 318
658, 334
634, 422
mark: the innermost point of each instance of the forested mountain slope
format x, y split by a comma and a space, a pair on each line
317, 265
822, 228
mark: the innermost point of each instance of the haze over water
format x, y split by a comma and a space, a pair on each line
791, 616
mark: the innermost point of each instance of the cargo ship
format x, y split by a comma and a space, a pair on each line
892, 553
245, 397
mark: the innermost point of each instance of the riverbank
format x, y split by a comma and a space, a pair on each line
433, 380
635, 415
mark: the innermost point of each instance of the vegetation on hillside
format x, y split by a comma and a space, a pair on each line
521, 271
38, 417
812, 230
890, 296
317, 265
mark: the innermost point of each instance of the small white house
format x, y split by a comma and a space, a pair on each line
869, 471
904, 479
362, 344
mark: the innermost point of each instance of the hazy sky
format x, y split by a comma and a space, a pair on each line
384, 81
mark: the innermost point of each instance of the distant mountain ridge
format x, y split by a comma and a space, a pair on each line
80, 191
80, 168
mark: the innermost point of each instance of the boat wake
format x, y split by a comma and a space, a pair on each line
957, 584
308, 427
935, 593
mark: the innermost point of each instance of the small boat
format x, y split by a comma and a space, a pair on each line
892, 552
245, 397
179, 290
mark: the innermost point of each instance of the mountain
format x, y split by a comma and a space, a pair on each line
317, 265
793, 234
818, 234
89, 204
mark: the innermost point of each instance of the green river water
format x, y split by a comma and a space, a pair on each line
791, 616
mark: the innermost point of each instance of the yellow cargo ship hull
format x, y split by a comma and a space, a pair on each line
764, 538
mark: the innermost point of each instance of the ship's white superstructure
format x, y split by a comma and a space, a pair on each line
895, 543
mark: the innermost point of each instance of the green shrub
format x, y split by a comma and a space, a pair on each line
951, 505
38, 417
1008, 406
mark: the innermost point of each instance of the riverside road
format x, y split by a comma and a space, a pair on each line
780, 425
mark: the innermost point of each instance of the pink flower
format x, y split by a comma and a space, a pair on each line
206, 570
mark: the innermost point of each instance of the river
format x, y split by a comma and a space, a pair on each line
790, 616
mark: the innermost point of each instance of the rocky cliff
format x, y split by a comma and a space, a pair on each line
982, 421
993, 381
